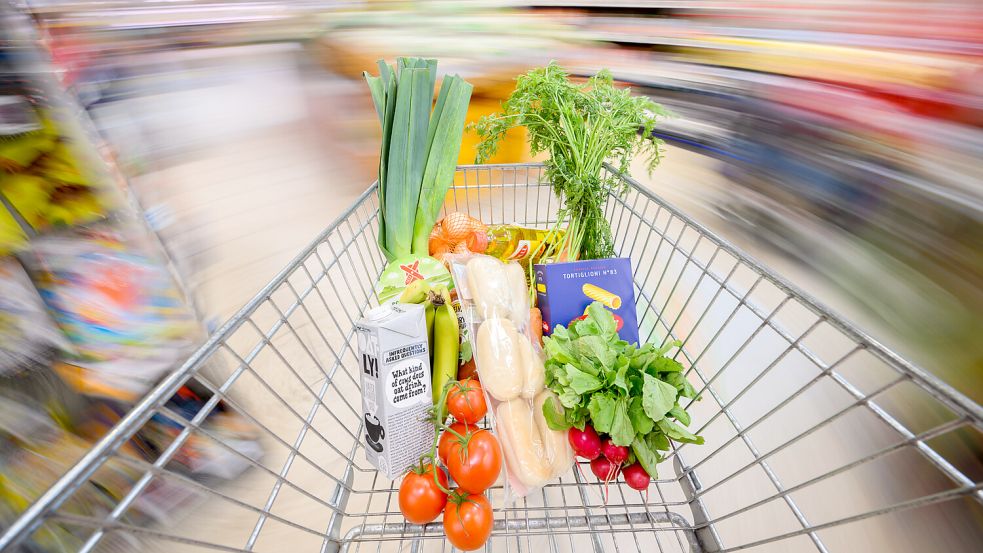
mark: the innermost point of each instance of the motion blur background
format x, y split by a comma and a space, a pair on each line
837, 142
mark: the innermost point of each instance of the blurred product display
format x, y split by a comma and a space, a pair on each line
28, 336
92, 315
116, 304
36, 450
43, 181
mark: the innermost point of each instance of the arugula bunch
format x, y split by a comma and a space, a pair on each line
630, 393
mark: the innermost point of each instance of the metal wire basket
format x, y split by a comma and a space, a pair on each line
817, 437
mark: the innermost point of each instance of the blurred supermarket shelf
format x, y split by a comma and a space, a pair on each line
853, 114
864, 193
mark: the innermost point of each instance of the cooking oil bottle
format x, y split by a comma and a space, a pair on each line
512, 242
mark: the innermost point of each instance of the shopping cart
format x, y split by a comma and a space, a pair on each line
817, 437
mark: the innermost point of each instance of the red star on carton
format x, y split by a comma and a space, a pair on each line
412, 271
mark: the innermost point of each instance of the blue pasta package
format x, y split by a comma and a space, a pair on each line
564, 290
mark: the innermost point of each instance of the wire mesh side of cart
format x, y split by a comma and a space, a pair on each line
817, 438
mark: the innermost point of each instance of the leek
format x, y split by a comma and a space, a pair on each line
407, 151
446, 130
419, 149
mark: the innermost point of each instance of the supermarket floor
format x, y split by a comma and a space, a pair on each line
243, 171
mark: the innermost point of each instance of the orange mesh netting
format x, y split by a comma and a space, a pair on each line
459, 233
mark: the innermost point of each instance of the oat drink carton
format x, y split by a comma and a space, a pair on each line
395, 369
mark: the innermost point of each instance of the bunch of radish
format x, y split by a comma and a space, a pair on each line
607, 459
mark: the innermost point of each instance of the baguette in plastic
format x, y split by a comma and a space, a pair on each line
489, 287
533, 370
556, 446
500, 358
525, 454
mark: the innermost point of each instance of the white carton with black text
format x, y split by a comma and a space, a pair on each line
396, 397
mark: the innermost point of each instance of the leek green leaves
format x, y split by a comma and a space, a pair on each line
419, 149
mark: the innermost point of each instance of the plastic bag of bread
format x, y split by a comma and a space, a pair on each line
495, 301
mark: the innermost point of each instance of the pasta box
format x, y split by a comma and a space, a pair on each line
564, 291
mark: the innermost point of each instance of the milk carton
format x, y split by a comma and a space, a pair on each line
392, 346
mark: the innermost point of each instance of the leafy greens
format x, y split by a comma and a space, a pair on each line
631, 393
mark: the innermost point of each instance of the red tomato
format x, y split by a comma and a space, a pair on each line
475, 461
444, 445
466, 401
420, 499
468, 521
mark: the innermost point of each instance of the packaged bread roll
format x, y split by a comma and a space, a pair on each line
500, 359
518, 293
489, 287
525, 455
556, 446
533, 371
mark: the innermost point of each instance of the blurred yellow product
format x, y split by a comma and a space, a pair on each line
513, 147
86, 382
43, 202
29, 195
596, 293
834, 62
61, 164
79, 208
8, 495
19, 152
512, 242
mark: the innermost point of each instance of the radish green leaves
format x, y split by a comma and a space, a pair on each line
633, 394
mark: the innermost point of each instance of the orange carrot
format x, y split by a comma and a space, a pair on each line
536, 325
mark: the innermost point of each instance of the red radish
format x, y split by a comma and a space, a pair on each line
585, 443
615, 453
636, 477
604, 469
